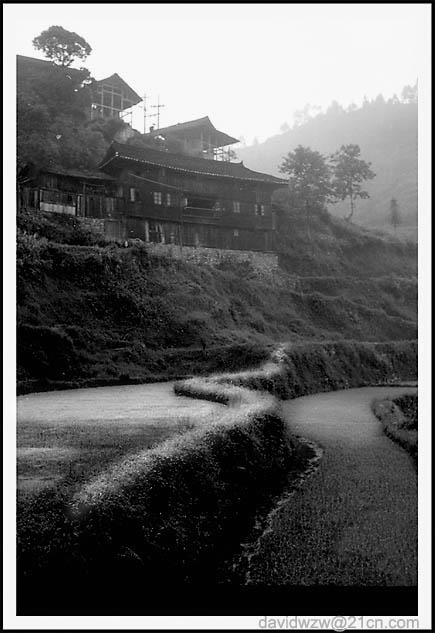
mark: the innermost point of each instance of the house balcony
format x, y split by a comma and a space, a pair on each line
199, 215
245, 221
174, 214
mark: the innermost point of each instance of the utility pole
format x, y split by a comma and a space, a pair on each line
158, 106
145, 114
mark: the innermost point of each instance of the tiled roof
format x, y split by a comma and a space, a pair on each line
85, 174
197, 124
180, 162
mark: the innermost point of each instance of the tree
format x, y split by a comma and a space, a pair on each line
52, 104
62, 46
395, 218
349, 172
410, 93
394, 100
309, 177
230, 155
308, 112
309, 180
335, 109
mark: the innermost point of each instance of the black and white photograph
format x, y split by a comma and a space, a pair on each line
217, 243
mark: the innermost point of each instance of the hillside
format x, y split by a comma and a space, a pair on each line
92, 312
387, 135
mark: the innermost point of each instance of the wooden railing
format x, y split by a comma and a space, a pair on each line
199, 212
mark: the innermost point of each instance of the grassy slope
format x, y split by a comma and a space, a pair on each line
93, 313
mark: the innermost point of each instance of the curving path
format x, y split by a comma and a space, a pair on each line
354, 521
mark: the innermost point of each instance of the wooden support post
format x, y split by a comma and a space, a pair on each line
180, 228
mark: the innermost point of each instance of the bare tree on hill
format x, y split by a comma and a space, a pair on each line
349, 172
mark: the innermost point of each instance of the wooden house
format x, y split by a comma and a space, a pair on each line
73, 192
174, 198
195, 138
159, 196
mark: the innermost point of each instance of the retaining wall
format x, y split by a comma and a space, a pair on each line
263, 262
94, 224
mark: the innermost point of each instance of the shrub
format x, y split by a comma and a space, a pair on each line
46, 351
408, 404
399, 421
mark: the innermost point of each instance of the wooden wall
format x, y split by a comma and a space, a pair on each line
225, 190
187, 234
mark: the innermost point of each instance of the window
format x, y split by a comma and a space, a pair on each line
236, 233
236, 206
259, 209
262, 211
153, 231
156, 232
134, 194
184, 202
168, 200
157, 197
110, 205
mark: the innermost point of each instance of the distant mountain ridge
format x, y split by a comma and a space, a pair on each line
386, 131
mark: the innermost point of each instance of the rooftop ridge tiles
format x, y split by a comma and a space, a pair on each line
191, 164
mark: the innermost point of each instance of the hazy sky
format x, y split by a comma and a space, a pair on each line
247, 66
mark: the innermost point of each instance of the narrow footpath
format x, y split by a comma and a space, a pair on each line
354, 521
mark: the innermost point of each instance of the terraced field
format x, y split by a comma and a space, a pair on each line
65, 437
354, 522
